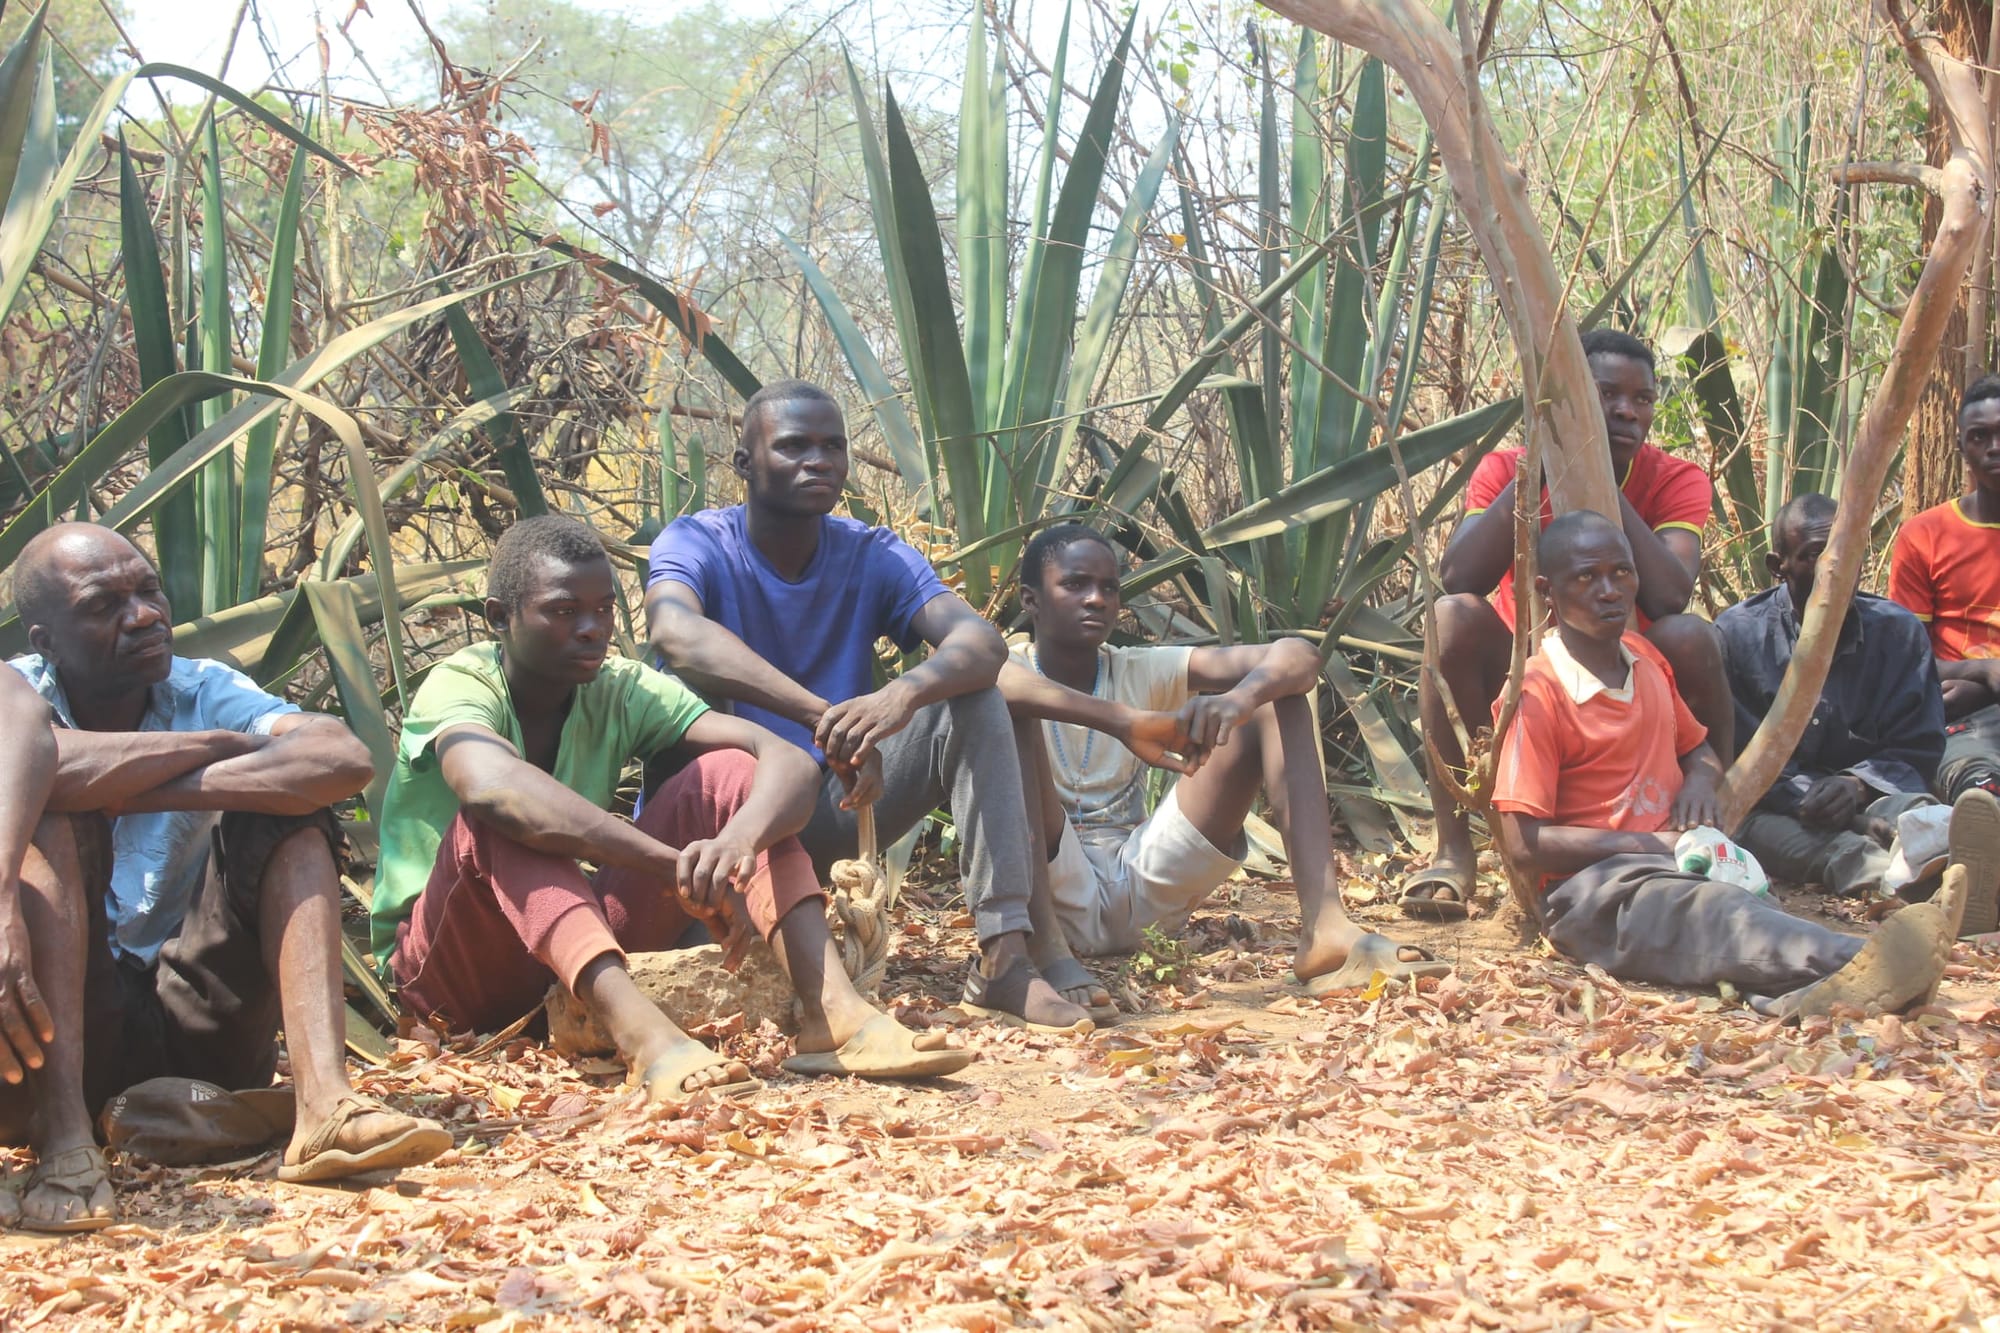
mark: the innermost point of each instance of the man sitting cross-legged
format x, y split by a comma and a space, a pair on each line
777, 606
509, 759
1603, 761
1873, 744
1663, 504
1234, 721
166, 940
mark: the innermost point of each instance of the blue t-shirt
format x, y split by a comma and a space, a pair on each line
158, 858
862, 585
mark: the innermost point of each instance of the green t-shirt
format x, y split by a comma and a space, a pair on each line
629, 712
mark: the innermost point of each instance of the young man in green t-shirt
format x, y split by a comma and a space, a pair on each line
509, 759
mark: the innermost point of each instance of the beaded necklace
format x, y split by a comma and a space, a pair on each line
1072, 776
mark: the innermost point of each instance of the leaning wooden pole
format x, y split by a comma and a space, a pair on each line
1493, 197
1965, 186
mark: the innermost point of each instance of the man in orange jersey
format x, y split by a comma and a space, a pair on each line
1946, 569
1604, 764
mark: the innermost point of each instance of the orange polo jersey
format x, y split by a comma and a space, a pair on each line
1946, 569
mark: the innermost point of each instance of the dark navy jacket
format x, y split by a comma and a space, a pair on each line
1881, 715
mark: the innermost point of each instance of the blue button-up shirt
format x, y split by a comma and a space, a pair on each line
158, 859
1880, 717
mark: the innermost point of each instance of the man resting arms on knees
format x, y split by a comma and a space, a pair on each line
509, 760
167, 940
1945, 567
1663, 504
1604, 761
1235, 721
777, 606
1875, 737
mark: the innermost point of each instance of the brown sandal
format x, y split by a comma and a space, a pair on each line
80, 1173
416, 1143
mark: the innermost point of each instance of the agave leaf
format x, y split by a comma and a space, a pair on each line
1309, 221
20, 85
1099, 320
177, 534
888, 239
1342, 485
263, 638
943, 387
904, 446
1045, 314
218, 487
1271, 227
248, 105
681, 312
273, 350
1038, 212
1258, 464
509, 445
337, 615
982, 222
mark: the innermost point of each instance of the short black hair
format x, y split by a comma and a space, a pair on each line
1564, 530
1617, 342
1986, 386
782, 391
1810, 507
1050, 541
556, 537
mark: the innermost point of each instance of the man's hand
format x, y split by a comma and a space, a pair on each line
25, 1025
1964, 695
709, 868
1161, 739
1696, 804
1210, 719
1833, 801
863, 781
849, 731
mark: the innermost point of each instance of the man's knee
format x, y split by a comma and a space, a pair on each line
263, 852
1464, 619
1689, 643
980, 713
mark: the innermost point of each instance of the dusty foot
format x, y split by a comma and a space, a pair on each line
1440, 891
1019, 995
1074, 982
879, 1048
69, 1190
1325, 950
677, 1067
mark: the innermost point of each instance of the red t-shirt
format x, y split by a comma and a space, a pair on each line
1946, 569
1667, 492
1611, 761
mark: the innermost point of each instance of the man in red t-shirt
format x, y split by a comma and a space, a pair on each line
1945, 568
1664, 503
1604, 764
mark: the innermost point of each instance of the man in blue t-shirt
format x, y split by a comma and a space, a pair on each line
776, 606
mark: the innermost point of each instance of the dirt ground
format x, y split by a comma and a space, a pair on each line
1522, 1145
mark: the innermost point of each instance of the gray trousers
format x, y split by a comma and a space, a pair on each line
958, 753
1642, 918
1971, 754
1843, 861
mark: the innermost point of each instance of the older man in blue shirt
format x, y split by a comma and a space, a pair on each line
1875, 737
181, 898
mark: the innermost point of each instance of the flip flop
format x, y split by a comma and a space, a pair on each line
1373, 954
415, 1144
1004, 997
883, 1048
1429, 907
79, 1173
1975, 844
1899, 966
1067, 973
672, 1070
